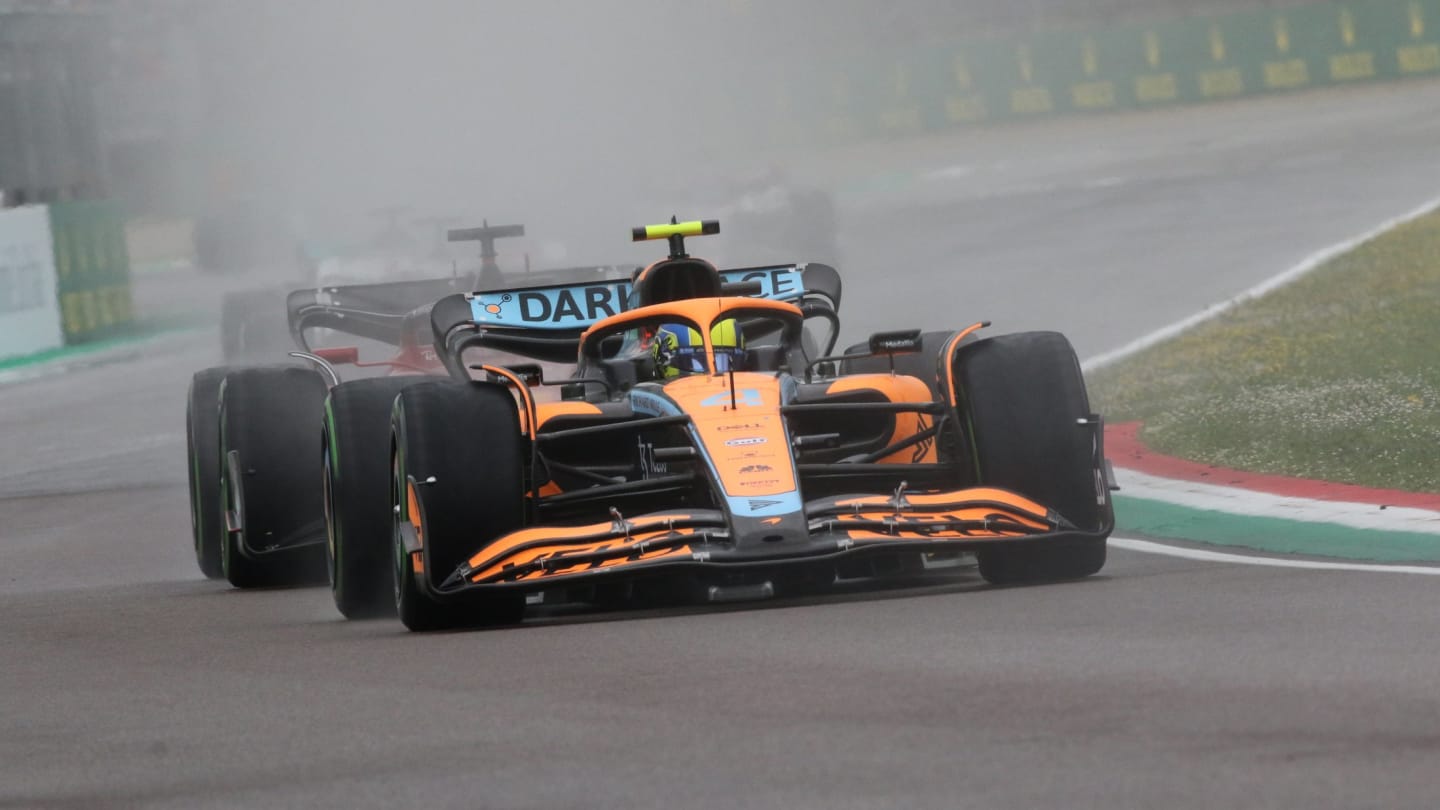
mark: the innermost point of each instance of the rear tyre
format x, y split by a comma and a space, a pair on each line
1024, 396
202, 446
356, 444
466, 437
271, 487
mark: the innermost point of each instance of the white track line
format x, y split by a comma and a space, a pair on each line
1149, 547
1307, 264
1239, 501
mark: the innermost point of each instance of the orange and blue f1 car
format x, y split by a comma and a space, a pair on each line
710, 441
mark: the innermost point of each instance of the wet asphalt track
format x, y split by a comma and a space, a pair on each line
125, 680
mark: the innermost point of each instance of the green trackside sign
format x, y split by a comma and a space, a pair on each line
92, 270
1131, 67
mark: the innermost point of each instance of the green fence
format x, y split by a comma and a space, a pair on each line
1186, 60
92, 269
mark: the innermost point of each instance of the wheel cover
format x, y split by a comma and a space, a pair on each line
395, 517
194, 473
225, 497
234, 488
227, 500
332, 547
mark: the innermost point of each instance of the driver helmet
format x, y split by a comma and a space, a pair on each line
679, 350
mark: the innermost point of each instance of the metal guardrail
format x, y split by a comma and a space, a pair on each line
1132, 66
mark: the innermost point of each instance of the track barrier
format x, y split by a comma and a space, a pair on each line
1134, 66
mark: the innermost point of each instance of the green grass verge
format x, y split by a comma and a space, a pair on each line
1335, 376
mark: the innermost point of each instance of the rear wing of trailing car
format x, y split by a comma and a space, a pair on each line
378, 311
373, 311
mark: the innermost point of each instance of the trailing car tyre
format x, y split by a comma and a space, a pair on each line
356, 452
1024, 397
271, 487
202, 450
461, 443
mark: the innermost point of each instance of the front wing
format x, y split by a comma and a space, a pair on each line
549, 556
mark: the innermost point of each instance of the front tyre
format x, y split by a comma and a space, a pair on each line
461, 443
1025, 399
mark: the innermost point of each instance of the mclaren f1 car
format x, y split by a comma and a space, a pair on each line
709, 442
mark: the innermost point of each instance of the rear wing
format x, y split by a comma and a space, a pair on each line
378, 311
572, 307
545, 322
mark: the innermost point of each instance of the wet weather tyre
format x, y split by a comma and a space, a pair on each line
356, 461
271, 487
202, 451
465, 436
1024, 397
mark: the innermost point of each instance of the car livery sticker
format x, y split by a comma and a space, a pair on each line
577, 306
746, 448
782, 504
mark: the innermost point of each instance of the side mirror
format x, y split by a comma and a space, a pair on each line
621, 374
531, 373
765, 358
610, 345
906, 342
